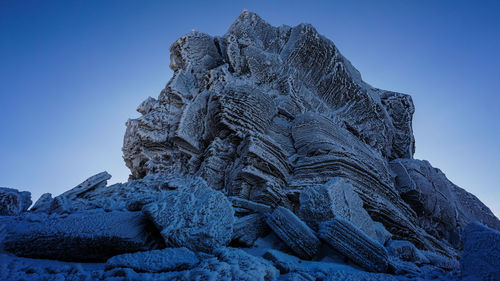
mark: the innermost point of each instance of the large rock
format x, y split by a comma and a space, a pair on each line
168, 259
195, 216
354, 244
336, 198
13, 202
443, 208
88, 236
294, 233
481, 254
262, 112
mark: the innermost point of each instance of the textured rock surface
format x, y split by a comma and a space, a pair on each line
196, 217
443, 208
294, 233
336, 198
263, 112
89, 236
354, 244
263, 127
13, 202
481, 254
249, 228
406, 251
168, 259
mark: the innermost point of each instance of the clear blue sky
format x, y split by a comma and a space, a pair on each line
72, 72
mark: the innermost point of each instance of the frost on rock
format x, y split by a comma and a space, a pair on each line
168, 259
336, 198
196, 217
294, 233
481, 254
13, 202
443, 208
89, 236
249, 228
265, 138
354, 244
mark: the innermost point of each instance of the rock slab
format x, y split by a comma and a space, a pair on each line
354, 244
168, 259
89, 236
294, 232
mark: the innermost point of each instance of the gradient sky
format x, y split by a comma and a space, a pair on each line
72, 73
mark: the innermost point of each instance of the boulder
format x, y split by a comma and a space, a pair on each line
294, 232
195, 216
336, 198
88, 236
13, 202
354, 244
481, 254
168, 259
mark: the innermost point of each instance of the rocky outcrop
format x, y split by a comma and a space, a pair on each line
265, 138
294, 233
481, 255
443, 209
89, 236
196, 217
13, 202
354, 244
263, 112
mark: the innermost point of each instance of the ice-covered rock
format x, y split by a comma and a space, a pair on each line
293, 268
406, 251
336, 198
13, 202
168, 259
42, 205
195, 216
233, 264
88, 236
353, 243
249, 228
294, 232
481, 253
443, 209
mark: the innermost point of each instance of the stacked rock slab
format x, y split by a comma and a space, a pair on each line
294, 233
354, 244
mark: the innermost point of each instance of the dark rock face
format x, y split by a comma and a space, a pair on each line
13, 202
481, 254
443, 209
89, 236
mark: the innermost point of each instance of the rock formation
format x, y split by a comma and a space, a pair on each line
266, 156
